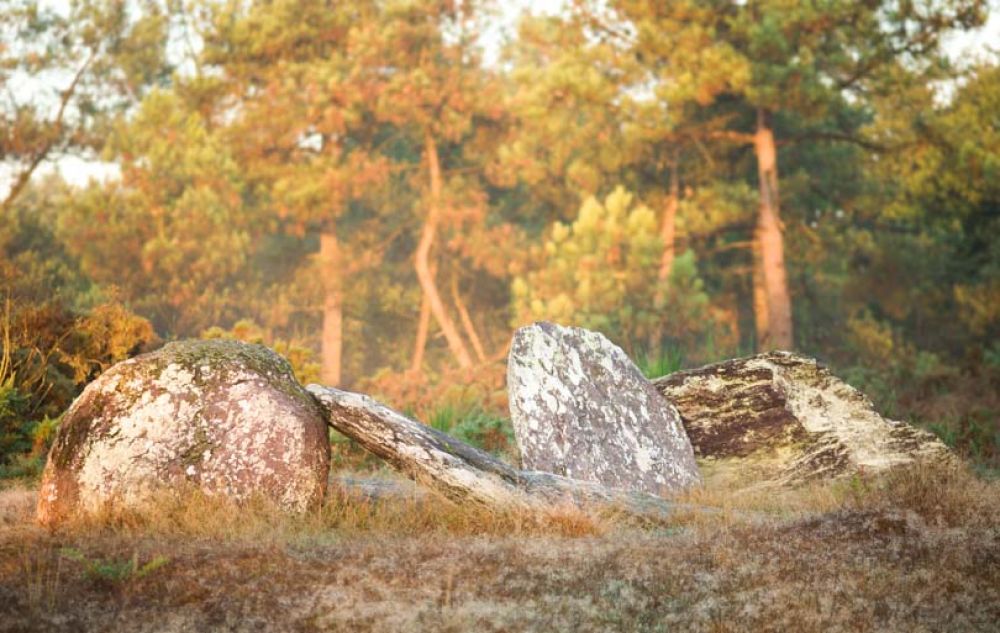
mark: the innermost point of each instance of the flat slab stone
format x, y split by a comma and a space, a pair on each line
783, 418
582, 409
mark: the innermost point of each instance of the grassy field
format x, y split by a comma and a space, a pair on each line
917, 551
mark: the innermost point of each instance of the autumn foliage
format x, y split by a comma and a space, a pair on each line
384, 190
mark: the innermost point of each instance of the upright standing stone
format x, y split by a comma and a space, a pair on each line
222, 416
582, 409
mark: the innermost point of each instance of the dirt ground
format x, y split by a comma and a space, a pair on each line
914, 552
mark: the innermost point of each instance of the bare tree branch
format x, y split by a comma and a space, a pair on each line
52, 137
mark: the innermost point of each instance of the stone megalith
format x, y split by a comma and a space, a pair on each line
468, 475
581, 409
226, 417
783, 418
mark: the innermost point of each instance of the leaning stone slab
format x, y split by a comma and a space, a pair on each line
783, 418
457, 470
468, 475
223, 416
581, 409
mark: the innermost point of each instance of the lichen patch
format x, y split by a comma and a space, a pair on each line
789, 413
581, 409
224, 415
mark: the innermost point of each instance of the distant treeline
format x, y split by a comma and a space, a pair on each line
348, 182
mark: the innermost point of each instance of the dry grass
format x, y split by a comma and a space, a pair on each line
916, 551
345, 514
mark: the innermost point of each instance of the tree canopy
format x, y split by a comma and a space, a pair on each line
351, 183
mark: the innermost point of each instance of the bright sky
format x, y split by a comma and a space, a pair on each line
963, 47
510, 11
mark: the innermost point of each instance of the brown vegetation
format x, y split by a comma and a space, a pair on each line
917, 550
349, 183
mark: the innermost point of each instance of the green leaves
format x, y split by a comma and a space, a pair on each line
174, 233
600, 272
115, 572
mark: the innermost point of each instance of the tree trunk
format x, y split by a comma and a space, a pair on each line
668, 227
423, 331
464, 473
772, 246
333, 307
668, 230
760, 309
463, 313
422, 260
423, 326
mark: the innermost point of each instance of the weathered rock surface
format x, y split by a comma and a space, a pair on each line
223, 416
581, 409
464, 473
784, 418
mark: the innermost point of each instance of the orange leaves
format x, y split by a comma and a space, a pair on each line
367, 172
614, 255
332, 120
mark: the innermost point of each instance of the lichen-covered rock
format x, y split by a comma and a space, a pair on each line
581, 409
468, 475
783, 418
223, 416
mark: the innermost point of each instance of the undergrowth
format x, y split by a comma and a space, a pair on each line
913, 550
345, 513
475, 426
666, 360
113, 571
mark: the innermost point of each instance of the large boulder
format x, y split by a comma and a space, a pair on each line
581, 409
223, 416
783, 418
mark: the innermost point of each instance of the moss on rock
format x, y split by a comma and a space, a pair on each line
786, 419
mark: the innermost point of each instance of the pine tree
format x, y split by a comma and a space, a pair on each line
772, 59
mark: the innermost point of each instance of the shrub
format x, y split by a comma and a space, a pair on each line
14, 437
303, 360
48, 354
474, 426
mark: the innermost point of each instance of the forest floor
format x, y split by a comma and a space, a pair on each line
917, 551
